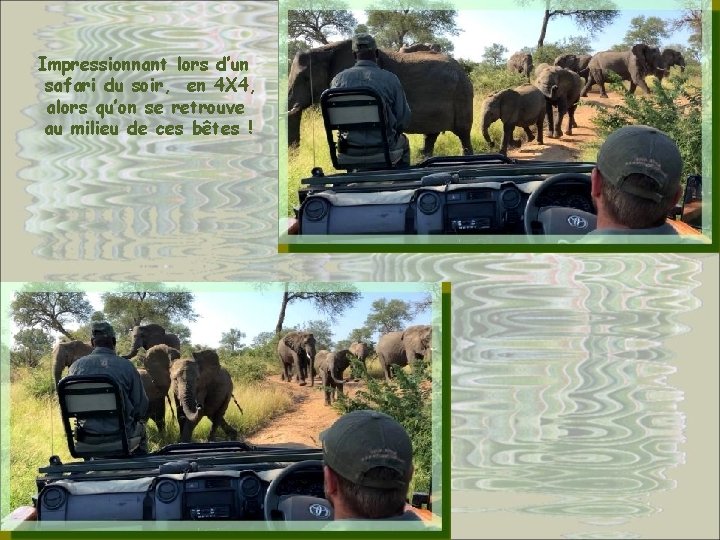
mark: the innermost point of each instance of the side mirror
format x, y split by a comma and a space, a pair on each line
691, 211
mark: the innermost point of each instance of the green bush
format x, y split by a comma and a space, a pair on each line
408, 400
38, 381
245, 368
674, 107
487, 80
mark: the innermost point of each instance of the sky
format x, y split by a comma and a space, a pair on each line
255, 312
517, 28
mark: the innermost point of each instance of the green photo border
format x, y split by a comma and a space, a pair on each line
515, 243
441, 491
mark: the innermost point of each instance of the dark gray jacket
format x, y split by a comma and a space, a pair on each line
104, 361
388, 86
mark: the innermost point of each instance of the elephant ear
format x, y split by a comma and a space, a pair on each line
641, 54
291, 340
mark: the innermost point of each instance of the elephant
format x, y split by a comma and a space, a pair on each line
520, 106
330, 366
297, 349
437, 88
65, 353
420, 47
575, 62
522, 63
361, 351
632, 65
150, 335
670, 57
541, 67
201, 387
156, 380
401, 348
561, 88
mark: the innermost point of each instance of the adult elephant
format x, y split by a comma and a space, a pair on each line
150, 335
201, 387
297, 349
65, 353
575, 62
438, 90
401, 348
360, 350
521, 106
670, 57
633, 65
521, 63
331, 366
156, 380
561, 88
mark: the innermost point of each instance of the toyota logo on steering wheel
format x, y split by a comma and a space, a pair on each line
320, 511
578, 222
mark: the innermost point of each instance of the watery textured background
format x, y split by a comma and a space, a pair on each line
584, 387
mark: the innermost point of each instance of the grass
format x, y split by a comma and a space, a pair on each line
36, 430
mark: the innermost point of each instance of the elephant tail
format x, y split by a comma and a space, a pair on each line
236, 403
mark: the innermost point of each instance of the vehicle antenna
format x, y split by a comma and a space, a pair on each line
312, 102
52, 427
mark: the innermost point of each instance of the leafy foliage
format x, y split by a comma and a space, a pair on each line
675, 109
551, 50
419, 21
388, 315
647, 30
487, 80
408, 400
232, 339
494, 55
30, 345
138, 304
317, 25
246, 368
323, 333
50, 310
331, 302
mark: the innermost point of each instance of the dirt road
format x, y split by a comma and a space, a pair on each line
568, 148
300, 426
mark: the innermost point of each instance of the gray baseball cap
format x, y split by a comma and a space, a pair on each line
102, 329
363, 41
362, 440
643, 150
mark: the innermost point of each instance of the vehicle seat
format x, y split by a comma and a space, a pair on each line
94, 396
353, 109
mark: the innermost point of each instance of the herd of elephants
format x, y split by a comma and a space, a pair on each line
440, 93
201, 387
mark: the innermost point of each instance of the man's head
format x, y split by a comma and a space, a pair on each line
637, 178
102, 335
368, 465
364, 47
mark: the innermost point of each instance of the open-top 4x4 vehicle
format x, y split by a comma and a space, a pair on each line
484, 194
229, 481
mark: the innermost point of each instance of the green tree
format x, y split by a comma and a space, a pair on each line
318, 24
323, 333
691, 19
134, 306
648, 30
232, 339
262, 339
592, 20
416, 21
31, 344
423, 305
51, 311
331, 303
494, 55
388, 316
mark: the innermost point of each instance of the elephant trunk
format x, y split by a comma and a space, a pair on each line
134, 351
294, 117
332, 371
192, 414
488, 119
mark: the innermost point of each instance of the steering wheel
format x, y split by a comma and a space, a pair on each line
557, 219
296, 507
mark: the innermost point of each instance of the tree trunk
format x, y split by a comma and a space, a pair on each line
281, 317
543, 30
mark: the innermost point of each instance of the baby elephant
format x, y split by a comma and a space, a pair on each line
330, 366
521, 106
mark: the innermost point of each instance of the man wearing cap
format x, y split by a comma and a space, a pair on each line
104, 361
368, 467
366, 72
636, 182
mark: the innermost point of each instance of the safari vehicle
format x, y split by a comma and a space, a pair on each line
484, 195
213, 481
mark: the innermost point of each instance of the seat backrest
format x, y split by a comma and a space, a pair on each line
84, 397
356, 109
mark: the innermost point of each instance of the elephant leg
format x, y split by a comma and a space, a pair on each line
429, 147
633, 87
539, 128
529, 133
571, 119
550, 120
507, 137
465, 142
588, 85
213, 431
230, 431
562, 109
299, 373
326, 388
642, 84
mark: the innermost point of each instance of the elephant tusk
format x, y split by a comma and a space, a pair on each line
296, 109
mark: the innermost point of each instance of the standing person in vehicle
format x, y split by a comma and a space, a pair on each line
366, 72
367, 467
104, 361
636, 182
